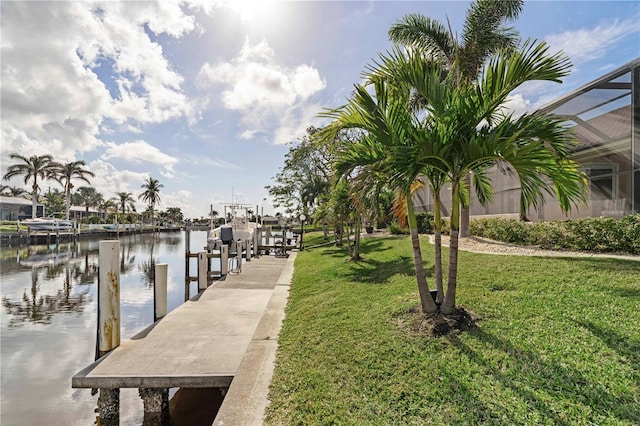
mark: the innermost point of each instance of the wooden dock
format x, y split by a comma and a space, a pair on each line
200, 344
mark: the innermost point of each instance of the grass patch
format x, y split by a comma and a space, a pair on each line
558, 342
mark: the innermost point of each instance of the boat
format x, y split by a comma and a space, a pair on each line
48, 224
238, 228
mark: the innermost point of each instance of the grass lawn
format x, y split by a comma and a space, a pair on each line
558, 342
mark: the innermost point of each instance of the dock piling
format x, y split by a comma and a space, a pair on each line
109, 296
156, 406
109, 323
160, 291
203, 275
109, 406
224, 260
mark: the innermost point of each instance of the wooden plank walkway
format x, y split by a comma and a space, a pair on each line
199, 344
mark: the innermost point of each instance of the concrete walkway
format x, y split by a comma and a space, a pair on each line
226, 337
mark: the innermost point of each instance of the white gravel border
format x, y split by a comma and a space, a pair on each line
487, 246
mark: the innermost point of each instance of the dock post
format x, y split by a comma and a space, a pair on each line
203, 278
160, 291
257, 237
224, 260
109, 323
109, 296
156, 406
247, 244
109, 407
187, 263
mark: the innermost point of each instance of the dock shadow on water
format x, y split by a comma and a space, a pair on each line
48, 321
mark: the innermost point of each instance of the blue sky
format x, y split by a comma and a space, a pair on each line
205, 95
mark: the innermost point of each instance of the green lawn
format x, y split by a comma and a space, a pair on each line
558, 342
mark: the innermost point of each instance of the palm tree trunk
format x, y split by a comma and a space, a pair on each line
356, 239
466, 211
437, 217
34, 199
67, 201
428, 305
449, 304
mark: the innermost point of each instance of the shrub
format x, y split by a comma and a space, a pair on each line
396, 229
94, 219
425, 222
602, 234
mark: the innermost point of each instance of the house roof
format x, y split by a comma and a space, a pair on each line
16, 201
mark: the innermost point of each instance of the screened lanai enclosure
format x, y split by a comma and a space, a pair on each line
605, 118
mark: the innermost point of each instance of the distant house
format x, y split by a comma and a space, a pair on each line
18, 208
80, 212
605, 116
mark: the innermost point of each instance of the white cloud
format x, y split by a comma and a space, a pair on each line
307, 81
140, 151
295, 123
517, 105
586, 44
108, 180
181, 198
215, 162
263, 90
59, 57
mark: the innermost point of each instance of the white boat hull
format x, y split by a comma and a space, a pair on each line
44, 224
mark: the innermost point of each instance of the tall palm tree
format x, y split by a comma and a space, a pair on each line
468, 128
88, 197
484, 34
64, 173
33, 167
151, 193
125, 199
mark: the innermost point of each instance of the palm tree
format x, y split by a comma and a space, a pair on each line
151, 193
125, 199
174, 214
12, 191
468, 129
105, 205
64, 173
88, 197
33, 167
484, 34
388, 127
54, 202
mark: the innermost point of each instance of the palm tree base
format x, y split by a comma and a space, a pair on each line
437, 324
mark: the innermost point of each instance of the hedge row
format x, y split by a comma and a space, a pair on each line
601, 234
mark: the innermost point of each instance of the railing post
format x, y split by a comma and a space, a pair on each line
247, 244
160, 291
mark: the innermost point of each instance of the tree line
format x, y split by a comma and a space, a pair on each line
38, 168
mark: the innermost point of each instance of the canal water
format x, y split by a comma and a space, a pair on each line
49, 316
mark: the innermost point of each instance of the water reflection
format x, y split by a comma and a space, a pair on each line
48, 321
39, 308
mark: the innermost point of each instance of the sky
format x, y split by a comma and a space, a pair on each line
208, 96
